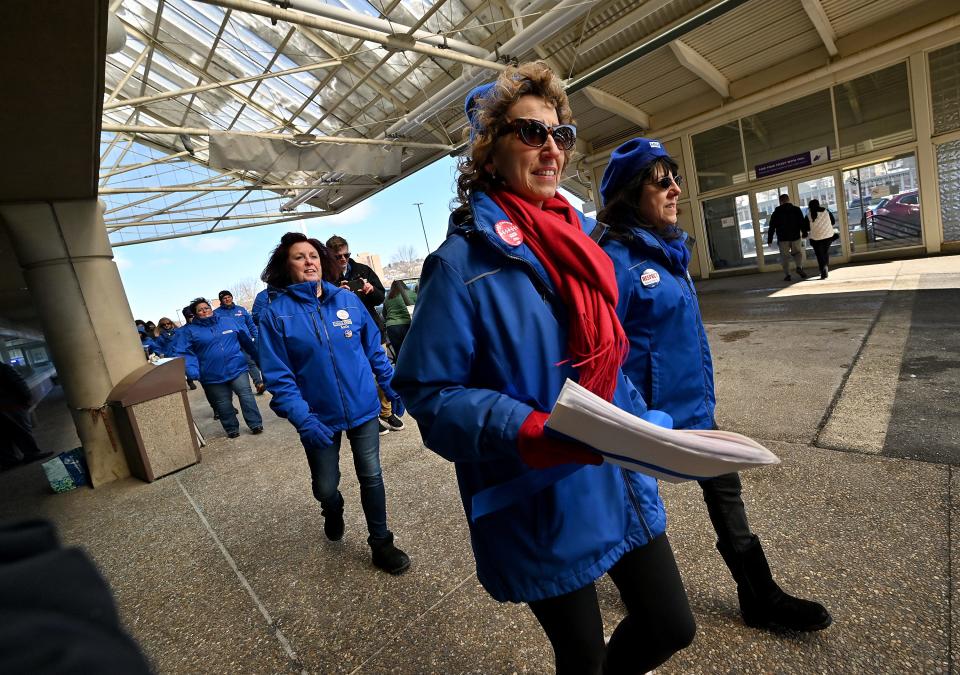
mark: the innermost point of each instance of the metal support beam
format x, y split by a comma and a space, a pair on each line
142, 189
699, 66
200, 131
626, 21
617, 106
391, 42
820, 21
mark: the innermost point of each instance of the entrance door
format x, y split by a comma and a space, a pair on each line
823, 189
764, 202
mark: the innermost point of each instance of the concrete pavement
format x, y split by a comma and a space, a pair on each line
852, 381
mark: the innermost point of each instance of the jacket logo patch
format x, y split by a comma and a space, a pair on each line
229, 330
650, 278
343, 314
509, 232
341, 324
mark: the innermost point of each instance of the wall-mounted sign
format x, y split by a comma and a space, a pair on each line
727, 221
798, 161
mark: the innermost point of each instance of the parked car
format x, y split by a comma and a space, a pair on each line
896, 217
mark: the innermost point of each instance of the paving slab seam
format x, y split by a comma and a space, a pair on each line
412, 622
854, 363
281, 638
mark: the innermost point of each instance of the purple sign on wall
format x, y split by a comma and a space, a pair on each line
792, 162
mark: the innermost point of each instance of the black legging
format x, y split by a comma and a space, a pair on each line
821, 247
658, 624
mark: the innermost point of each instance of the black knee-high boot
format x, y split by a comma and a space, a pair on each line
762, 602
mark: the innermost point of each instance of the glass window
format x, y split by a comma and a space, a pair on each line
767, 201
675, 149
719, 157
822, 189
945, 88
883, 204
800, 127
948, 170
730, 232
873, 111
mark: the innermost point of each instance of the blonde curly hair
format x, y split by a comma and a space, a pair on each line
527, 79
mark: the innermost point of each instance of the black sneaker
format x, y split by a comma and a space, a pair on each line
801, 273
256, 430
384, 427
787, 278
333, 526
233, 434
388, 557
394, 422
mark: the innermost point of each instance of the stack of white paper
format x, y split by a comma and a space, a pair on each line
668, 454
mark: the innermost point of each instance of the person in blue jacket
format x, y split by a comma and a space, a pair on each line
669, 359
243, 317
261, 301
213, 346
515, 301
318, 345
166, 332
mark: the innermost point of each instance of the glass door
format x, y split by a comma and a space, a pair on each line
824, 190
764, 202
730, 233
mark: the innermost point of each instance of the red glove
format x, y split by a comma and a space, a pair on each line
540, 451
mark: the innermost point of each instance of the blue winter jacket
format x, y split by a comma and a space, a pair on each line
163, 343
482, 353
669, 360
241, 316
212, 348
316, 355
260, 303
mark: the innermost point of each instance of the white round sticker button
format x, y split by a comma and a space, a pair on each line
650, 278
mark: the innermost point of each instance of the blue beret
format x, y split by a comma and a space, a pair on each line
626, 162
470, 106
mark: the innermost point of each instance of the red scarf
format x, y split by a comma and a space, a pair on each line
583, 275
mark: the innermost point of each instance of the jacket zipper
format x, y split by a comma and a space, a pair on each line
703, 340
333, 364
635, 502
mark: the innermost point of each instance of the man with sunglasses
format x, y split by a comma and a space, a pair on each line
363, 281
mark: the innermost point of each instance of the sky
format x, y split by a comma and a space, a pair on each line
161, 277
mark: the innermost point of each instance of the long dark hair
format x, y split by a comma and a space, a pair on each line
399, 288
276, 273
623, 210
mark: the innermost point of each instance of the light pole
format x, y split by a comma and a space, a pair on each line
422, 226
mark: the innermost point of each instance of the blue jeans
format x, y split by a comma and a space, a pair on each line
325, 473
220, 396
253, 370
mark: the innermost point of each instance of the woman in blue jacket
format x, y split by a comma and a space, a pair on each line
318, 344
213, 346
515, 301
669, 360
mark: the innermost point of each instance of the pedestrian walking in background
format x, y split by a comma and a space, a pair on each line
213, 346
397, 313
822, 236
318, 345
790, 227
515, 301
242, 317
16, 427
363, 281
670, 362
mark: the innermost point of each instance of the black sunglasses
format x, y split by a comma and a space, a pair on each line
534, 133
665, 182
345, 256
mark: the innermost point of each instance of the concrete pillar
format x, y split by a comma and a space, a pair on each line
75, 286
926, 154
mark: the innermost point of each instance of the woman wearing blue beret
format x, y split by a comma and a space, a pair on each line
669, 359
515, 301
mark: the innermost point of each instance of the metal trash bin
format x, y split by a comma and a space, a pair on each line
153, 420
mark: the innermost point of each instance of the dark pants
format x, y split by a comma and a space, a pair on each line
220, 396
727, 513
16, 431
658, 623
325, 474
821, 247
396, 334
253, 370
